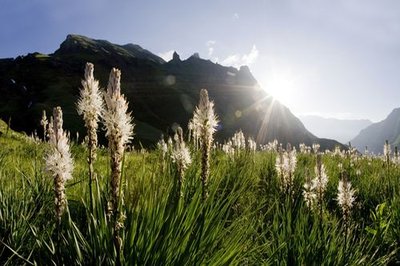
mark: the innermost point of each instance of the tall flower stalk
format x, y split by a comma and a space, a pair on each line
320, 183
314, 190
386, 152
181, 157
345, 198
44, 122
90, 105
205, 123
119, 130
59, 161
285, 166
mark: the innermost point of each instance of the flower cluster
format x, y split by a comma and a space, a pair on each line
228, 148
119, 130
117, 120
90, 102
345, 198
205, 124
315, 147
314, 190
251, 144
180, 154
285, 166
239, 141
59, 161
44, 123
162, 146
270, 146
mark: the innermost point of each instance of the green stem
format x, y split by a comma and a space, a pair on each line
90, 161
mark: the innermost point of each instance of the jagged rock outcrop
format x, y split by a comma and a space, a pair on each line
176, 57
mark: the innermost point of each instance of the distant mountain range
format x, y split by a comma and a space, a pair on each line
375, 135
161, 94
342, 130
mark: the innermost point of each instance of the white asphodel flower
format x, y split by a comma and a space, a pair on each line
119, 131
204, 122
314, 190
59, 161
315, 147
44, 122
181, 154
345, 197
162, 145
310, 197
320, 182
228, 149
239, 140
90, 103
117, 120
285, 166
386, 149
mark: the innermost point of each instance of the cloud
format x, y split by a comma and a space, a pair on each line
210, 45
232, 60
236, 16
167, 56
238, 60
251, 57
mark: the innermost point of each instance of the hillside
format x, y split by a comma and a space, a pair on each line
161, 94
342, 130
375, 135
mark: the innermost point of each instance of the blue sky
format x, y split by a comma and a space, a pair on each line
332, 58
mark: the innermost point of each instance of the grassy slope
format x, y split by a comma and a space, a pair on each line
247, 218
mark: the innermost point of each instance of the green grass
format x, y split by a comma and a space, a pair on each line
245, 220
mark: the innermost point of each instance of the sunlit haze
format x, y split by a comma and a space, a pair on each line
331, 58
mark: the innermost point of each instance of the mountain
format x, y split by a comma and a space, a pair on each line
342, 130
160, 94
375, 135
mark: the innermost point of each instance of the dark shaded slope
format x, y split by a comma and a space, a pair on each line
160, 93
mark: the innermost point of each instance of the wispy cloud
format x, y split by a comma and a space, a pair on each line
210, 51
210, 45
232, 60
251, 57
236, 15
238, 60
167, 56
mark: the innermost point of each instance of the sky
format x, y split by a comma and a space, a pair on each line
330, 58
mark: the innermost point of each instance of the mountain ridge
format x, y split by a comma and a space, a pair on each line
342, 130
78, 43
161, 94
376, 134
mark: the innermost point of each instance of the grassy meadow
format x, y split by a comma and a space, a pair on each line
189, 200
246, 219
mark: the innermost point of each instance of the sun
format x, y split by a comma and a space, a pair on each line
281, 85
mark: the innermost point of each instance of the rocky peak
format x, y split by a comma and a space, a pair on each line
76, 44
195, 55
244, 69
176, 57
